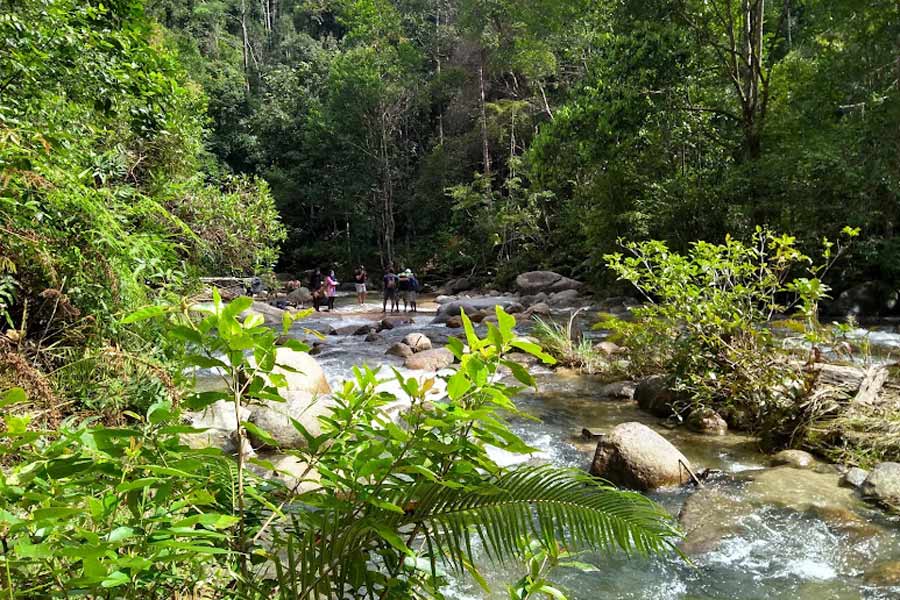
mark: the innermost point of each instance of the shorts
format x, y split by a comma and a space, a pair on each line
408, 296
360, 288
390, 293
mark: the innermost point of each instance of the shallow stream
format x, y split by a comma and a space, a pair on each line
753, 532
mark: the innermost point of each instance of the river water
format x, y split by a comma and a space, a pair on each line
753, 532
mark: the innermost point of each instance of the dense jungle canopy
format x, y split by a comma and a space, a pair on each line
483, 135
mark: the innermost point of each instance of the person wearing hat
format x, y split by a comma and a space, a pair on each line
408, 287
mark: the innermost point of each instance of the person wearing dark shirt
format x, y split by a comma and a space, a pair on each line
315, 288
408, 286
390, 291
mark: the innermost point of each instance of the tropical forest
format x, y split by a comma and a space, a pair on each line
450, 299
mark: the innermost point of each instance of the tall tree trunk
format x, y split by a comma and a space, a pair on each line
485, 147
437, 53
245, 47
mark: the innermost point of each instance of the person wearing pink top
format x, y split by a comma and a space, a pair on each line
330, 289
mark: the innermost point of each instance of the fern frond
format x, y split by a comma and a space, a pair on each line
544, 502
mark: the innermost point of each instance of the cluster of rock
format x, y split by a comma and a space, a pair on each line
539, 293
417, 351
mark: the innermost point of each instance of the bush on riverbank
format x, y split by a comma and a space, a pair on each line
107, 201
705, 325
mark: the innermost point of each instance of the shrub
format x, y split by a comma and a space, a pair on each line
706, 323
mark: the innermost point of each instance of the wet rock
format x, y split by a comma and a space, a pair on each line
272, 314
365, 329
400, 349
884, 574
707, 517
635, 456
707, 421
388, 323
418, 342
345, 330
534, 282
655, 396
454, 322
275, 418
621, 390
473, 305
854, 477
531, 300
797, 459
476, 317
430, 360
374, 338
883, 485
802, 490
541, 309
317, 348
295, 474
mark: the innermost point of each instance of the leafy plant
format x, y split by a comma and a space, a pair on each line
706, 323
395, 497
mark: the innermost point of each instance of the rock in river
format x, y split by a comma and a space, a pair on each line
797, 459
275, 418
534, 282
430, 360
303, 373
708, 421
635, 456
854, 477
883, 485
418, 342
400, 349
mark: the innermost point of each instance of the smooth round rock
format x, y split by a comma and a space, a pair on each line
635, 456
797, 459
883, 485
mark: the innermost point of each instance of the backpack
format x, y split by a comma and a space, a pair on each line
391, 282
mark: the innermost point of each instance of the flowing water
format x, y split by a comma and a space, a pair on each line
754, 532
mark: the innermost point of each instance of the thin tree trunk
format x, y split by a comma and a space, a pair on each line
245, 48
438, 60
485, 147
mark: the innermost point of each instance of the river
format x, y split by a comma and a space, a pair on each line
754, 532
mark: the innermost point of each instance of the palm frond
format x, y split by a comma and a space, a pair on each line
547, 503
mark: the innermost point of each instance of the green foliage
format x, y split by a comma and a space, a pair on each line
103, 210
394, 500
706, 324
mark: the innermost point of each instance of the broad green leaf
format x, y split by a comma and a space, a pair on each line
13, 396
147, 312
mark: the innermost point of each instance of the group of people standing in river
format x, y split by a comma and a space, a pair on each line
397, 286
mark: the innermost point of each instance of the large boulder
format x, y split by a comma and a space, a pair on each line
565, 298
883, 485
276, 418
455, 286
472, 305
272, 314
871, 298
430, 360
299, 296
635, 456
655, 396
302, 372
296, 474
389, 323
534, 282
418, 342
218, 423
